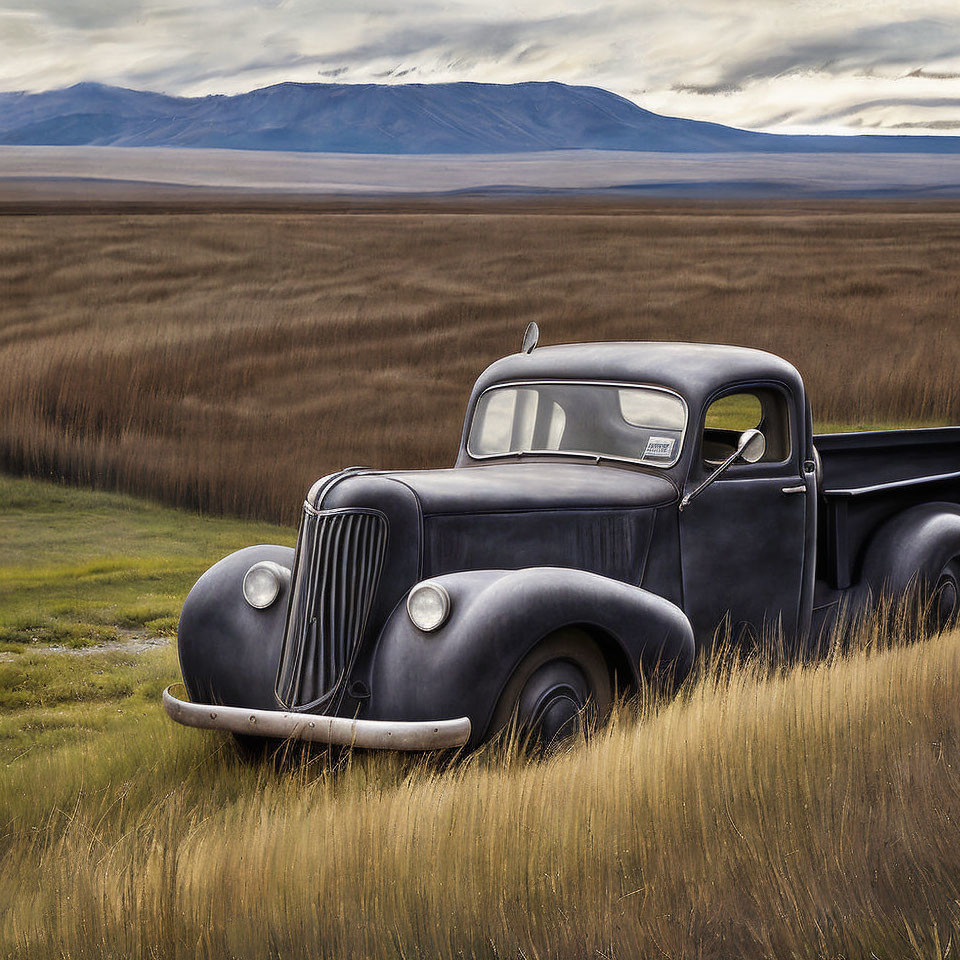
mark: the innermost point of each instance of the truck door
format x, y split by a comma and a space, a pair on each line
742, 540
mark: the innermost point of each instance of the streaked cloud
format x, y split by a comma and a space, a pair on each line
765, 64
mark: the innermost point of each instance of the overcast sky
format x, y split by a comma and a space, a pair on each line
766, 64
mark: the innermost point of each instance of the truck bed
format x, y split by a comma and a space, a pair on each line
870, 476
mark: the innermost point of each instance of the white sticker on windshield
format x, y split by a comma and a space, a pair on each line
659, 447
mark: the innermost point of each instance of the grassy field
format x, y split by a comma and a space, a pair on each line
765, 813
91, 585
222, 362
80, 567
225, 360
797, 813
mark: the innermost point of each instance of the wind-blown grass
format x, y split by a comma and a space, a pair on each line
793, 812
225, 361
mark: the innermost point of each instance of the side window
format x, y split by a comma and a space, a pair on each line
494, 421
729, 416
506, 419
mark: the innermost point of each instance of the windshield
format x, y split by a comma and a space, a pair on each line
641, 424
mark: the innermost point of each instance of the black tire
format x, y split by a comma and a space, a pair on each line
944, 606
561, 687
255, 749
258, 750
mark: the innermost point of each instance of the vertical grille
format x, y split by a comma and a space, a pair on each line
339, 559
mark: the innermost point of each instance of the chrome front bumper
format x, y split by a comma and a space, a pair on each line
341, 731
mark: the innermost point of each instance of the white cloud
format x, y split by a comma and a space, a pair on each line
765, 64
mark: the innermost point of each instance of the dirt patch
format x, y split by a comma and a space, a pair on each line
129, 642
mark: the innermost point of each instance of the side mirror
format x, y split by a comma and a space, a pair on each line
750, 448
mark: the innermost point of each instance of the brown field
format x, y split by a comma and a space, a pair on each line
224, 358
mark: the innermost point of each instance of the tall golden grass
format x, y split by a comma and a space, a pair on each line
225, 360
779, 812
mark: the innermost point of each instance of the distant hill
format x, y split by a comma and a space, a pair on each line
452, 118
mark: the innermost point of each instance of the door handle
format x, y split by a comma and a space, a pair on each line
800, 488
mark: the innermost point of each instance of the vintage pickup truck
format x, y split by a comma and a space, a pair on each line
611, 505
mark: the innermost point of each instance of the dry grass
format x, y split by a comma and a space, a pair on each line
770, 811
225, 360
803, 812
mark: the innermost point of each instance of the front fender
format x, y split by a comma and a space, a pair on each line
497, 617
229, 651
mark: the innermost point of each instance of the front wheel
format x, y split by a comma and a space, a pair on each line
562, 686
280, 753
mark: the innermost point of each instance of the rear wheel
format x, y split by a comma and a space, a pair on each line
944, 609
559, 688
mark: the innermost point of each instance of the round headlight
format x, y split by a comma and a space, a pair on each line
428, 606
262, 583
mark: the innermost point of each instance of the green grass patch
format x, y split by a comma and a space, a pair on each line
48, 700
80, 569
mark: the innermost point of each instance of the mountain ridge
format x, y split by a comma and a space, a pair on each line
449, 118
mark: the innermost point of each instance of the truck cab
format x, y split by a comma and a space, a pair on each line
612, 507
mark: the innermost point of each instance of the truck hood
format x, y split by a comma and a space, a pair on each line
507, 516
519, 487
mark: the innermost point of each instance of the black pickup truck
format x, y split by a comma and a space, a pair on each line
612, 504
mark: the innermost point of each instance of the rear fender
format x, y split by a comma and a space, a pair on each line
228, 650
496, 618
910, 550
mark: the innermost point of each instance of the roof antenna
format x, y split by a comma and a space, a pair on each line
531, 337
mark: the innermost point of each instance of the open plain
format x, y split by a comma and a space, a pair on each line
223, 360
83, 171
219, 355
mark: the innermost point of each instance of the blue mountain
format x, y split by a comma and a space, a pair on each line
452, 118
